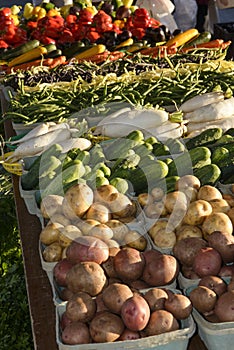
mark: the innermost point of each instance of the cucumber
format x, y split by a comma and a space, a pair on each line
30, 180
175, 146
55, 53
122, 185
19, 50
200, 39
208, 136
219, 155
160, 149
208, 174
229, 132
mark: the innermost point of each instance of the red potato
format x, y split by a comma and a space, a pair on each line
226, 271
81, 307
138, 285
60, 271
65, 294
156, 298
64, 321
129, 264
188, 272
76, 333
106, 327
87, 248
224, 308
129, 335
161, 321
161, 271
223, 242
207, 261
203, 299
186, 249
115, 295
135, 313
179, 305
215, 283
100, 306
86, 277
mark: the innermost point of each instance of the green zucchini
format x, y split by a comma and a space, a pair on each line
55, 53
208, 174
200, 39
75, 49
19, 50
206, 137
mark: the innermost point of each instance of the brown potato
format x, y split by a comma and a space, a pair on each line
197, 211
188, 181
230, 213
87, 248
50, 233
129, 335
164, 238
220, 205
52, 252
223, 242
229, 198
101, 231
115, 295
98, 211
106, 327
121, 206
225, 306
179, 305
119, 229
156, 298
158, 225
217, 222
50, 205
60, 219
81, 307
215, 283
144, 199
155, 210
129, 264
135, 240
67, 234
135, 312
175, 199
203, 299
102, 193
157, 193
186, 249
77, 200
161, 270
161, 321
86, 225
188, 231
88, 277
209, 193
76, 333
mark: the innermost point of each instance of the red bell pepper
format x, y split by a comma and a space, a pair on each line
139, 33
3, 44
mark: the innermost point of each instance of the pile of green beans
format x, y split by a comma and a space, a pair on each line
55, 104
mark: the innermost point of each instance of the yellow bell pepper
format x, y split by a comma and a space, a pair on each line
15, 9
53, 12
92, 9
36, 10
28, 10
16, 20
119, 23
42, 13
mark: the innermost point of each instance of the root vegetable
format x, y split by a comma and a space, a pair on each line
155, 210
129, 335
50, 233
197, 211
106, 327
165, 238
76, 333
144, 199
86, 225
60, 271
52, 252
186, 231
186, 249
115, 295
207, 261
220, 205
156, 298
119, 229
160, 271
215, 283
61, 219
179, 305
187, 181
99, 212
135, 313
121, 206
81, 307
87, 248
223, 242
161, 321
86, 277
224, 307
68, 234
134, 239
129, 264
175, 199
203, 299
101, 231
217, 222
102, 194
77, 200
209, 193
50, 205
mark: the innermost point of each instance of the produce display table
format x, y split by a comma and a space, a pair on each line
40, 298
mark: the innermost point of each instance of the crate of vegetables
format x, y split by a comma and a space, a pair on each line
108, 324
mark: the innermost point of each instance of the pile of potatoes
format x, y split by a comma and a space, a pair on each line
213, 298
191, 210
103, 213
120, 313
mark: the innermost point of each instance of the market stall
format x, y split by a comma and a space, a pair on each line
122, 144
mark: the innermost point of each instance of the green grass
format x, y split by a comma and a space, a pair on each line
15, 324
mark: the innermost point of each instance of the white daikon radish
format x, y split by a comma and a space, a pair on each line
138, 118
37, 145
201, 100
174, 132
213, 111
79, 142
40, 129
224, 124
